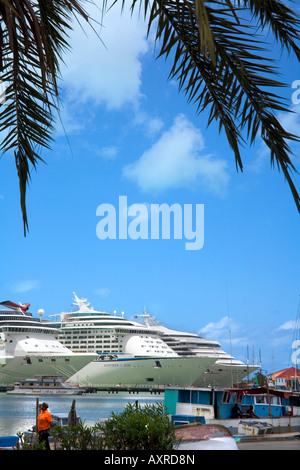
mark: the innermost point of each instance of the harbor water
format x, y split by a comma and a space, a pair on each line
17, 413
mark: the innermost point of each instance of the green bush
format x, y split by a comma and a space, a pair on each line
31, 443
139, 428
79, 437
136, 428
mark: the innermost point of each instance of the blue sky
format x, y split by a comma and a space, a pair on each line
130, 133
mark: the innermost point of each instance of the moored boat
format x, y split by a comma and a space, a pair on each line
204, 437
8, 442
280, 409
224, 372
142, 372
129, 354
45, 385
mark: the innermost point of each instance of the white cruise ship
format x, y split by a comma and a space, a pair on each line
129, 354
29, 347
225, 372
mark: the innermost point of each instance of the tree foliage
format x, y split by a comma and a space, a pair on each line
33, 36
219, 57
79, 437
135, 428
139, 428
222, 64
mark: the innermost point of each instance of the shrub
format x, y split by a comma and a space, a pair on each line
139, 428
79, 437
136, 428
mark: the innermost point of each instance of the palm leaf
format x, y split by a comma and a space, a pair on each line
219, 59
32, 39
221, 63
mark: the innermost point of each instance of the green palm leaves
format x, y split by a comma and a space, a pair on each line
221, 63
219, 58
32, 38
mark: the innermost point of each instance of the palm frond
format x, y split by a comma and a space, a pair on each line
282, 21
32, 39
219, 59
221, 63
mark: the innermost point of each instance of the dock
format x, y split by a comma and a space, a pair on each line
157, 390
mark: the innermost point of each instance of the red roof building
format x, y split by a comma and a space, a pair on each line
287, 378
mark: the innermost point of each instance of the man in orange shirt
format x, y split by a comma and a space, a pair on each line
44, 422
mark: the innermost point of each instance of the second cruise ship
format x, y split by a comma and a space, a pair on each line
224, 372
128, 353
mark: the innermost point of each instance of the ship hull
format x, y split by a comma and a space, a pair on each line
29, 365
142, 372
224, 375
42, 391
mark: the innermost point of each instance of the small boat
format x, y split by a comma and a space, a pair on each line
45, 385
254, 428
204, 437
272, 411
8, 442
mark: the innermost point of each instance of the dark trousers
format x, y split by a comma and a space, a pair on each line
44, 437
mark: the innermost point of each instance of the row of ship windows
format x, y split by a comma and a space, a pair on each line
98, 350
91, 342
28, 359
104, 333
64, 340
110, 348
85, 337
105, 342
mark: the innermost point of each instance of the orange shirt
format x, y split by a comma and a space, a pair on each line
44, 420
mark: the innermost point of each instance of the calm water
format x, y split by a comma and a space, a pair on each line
17, 413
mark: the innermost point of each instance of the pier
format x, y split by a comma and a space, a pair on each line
136, 389
157, 390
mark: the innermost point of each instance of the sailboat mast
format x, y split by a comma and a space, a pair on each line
229, 330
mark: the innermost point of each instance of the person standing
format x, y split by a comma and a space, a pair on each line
44, 422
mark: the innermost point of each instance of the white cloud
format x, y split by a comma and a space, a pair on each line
276, 342
290, 121
103, 292
67, 121
110, 72
175, 160
262, 158
215, 328
224, 330
289, 325
25, 286
108, 153
250, 340
152, 125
